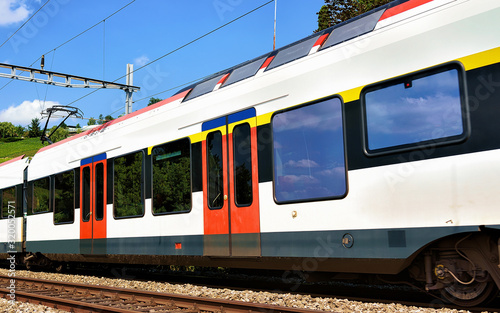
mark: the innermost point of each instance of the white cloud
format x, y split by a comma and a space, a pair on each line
140, 61
25, 112
13, 11
302, 163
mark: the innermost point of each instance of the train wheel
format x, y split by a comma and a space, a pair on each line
470, 295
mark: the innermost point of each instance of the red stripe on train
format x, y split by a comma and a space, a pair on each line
402, 8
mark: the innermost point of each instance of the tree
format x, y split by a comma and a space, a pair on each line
34, 129
324, 20
153, 100
104, 119
91, 121
20, 130
60, 134
7, 130
338, 11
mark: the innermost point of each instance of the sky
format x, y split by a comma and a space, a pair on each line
141, 32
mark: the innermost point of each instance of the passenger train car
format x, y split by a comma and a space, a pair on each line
371, 147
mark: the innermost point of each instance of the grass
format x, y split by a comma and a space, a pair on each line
11, 148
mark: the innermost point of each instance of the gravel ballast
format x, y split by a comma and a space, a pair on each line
286, 299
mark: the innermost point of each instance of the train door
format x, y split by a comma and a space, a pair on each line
93, 183
230, 185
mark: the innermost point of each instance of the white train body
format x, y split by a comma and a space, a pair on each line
11, 223
373, 203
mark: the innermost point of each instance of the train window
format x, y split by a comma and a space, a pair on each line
8, 200
41, 195
353, 28
242, 151
172, 177
86, 194
64, 197
99, 191
308, 152
215, 170
204, 87
294, 51
128, 185
245, 71
416, 110
77, 188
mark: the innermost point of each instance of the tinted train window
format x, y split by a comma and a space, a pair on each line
172, 177
128, 185
77, 187
41, 195
86, 194
245, 71
99, 191
215, 170
64, 197
408, 112
242, 151
308, 153
8, 198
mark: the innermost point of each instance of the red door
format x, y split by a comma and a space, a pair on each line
93, 183
230, 186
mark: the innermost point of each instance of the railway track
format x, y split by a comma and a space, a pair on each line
354, 298
74, 297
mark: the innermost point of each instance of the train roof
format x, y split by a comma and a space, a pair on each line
12, 171
327, 38
376, 19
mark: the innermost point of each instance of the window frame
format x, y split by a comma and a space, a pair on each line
74, 196
234, 169
51, 197
2, 190
208, 151
431, 143
100, 207
143, 172
190, 176
86, 190
344, 141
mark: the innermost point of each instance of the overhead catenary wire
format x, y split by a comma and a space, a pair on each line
40, 102
72, 38
155, 60
170, 89
20, 27
86, 30
47, 87
181, 47
24, 24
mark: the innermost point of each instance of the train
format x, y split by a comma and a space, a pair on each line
368, 148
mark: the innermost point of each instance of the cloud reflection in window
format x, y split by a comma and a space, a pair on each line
418, 110
308, 144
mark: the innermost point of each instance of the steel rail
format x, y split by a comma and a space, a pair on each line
78, 297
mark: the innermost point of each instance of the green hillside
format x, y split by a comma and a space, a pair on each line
13, 147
